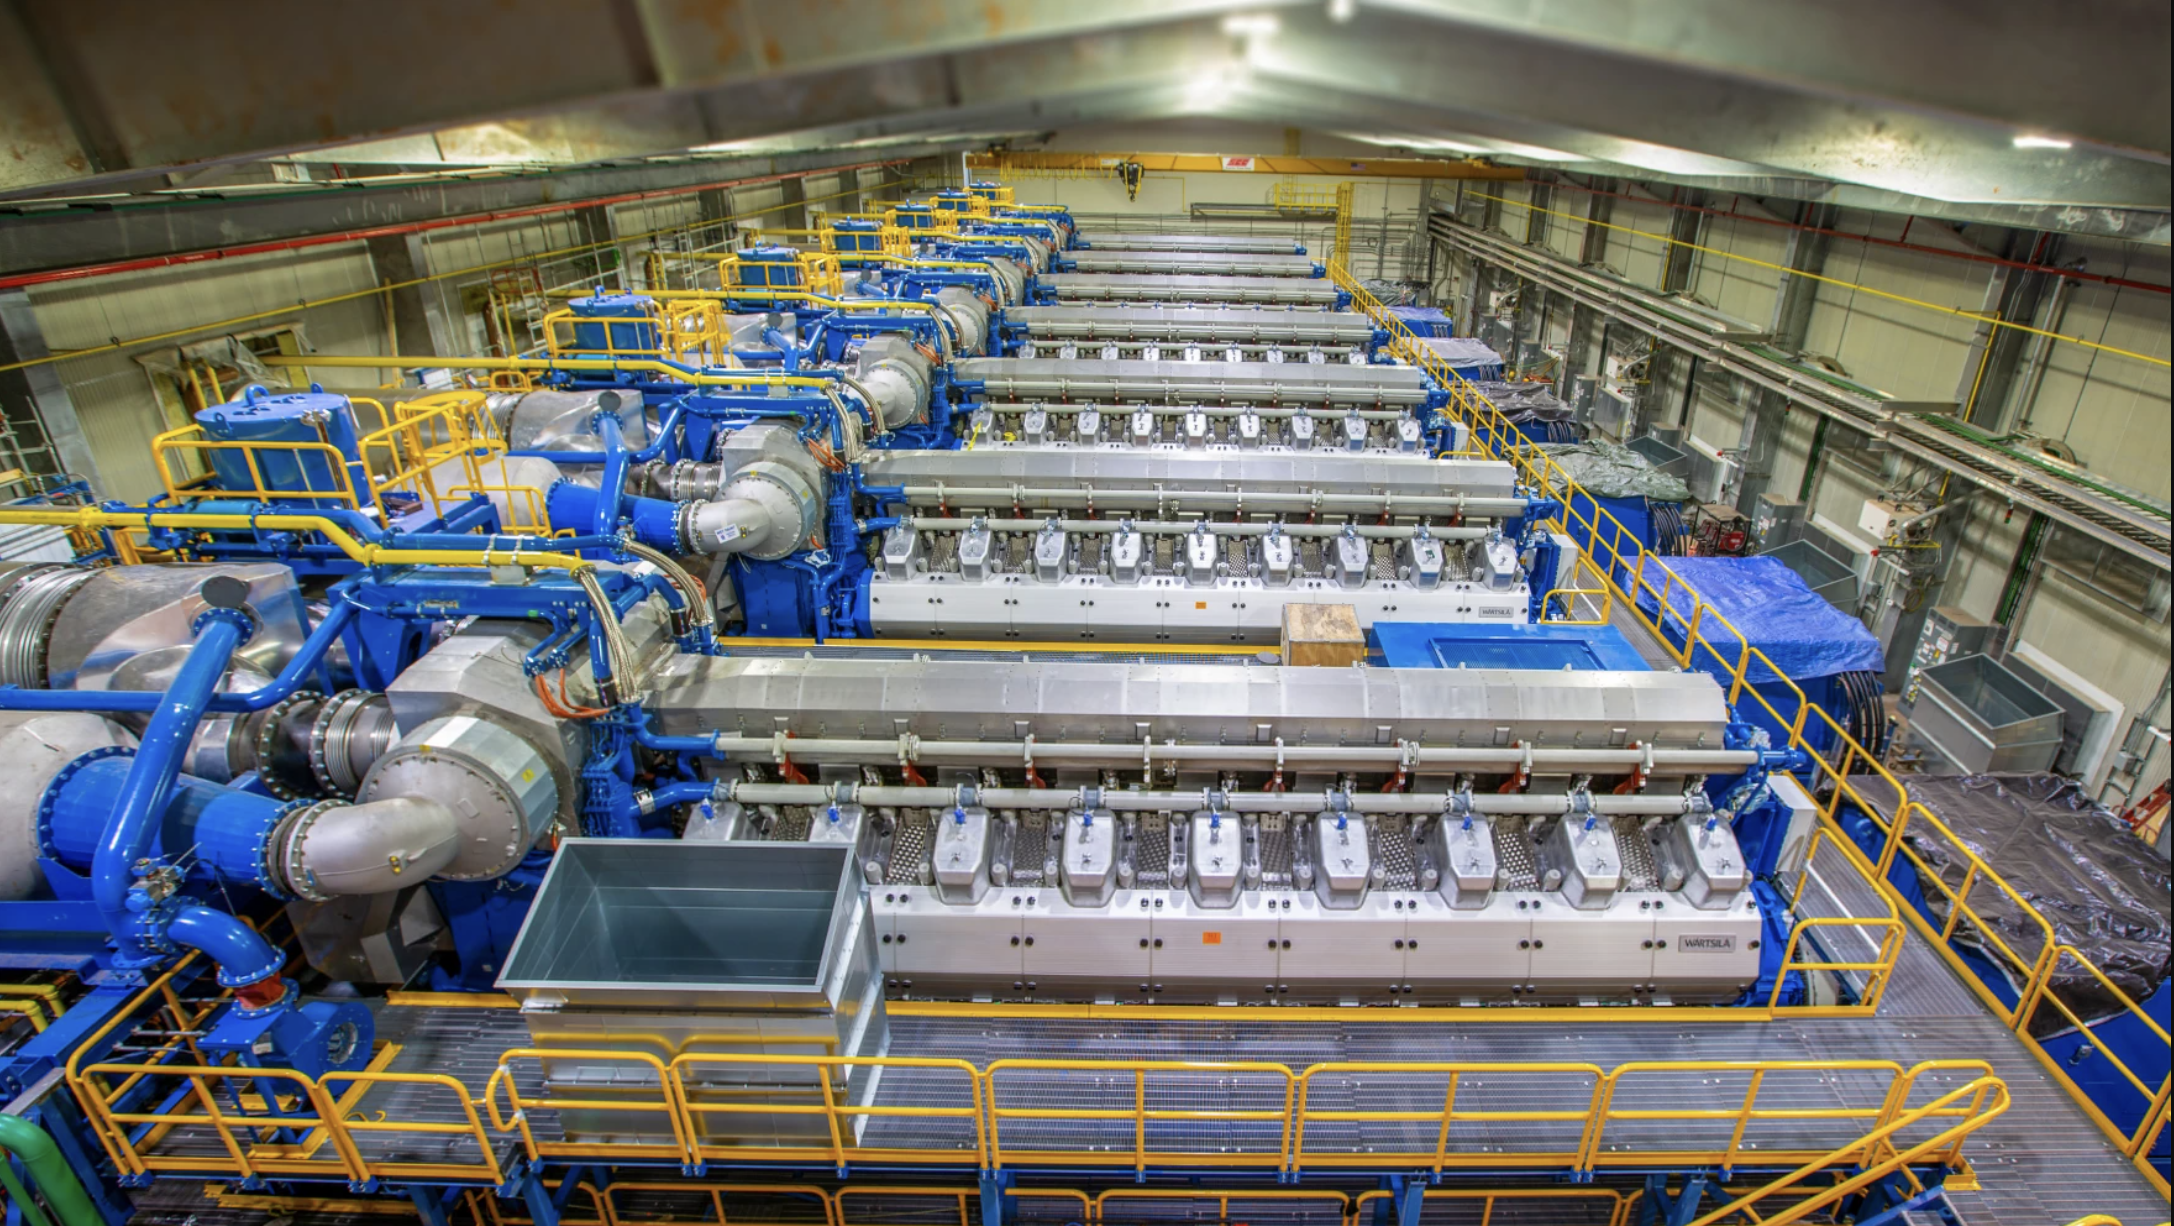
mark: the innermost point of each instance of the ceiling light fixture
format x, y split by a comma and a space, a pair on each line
1251, 25
1341, 11
2042, 142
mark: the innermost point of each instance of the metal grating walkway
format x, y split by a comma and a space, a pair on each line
2042, 1162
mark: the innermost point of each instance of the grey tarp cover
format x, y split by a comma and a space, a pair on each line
2105, 891
1611, 470
1526, 402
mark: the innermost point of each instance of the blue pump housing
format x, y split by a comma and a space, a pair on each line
314, 416
633, 333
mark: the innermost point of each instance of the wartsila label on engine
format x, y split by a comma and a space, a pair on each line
1707, 943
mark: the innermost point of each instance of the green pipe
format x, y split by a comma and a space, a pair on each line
49, 1171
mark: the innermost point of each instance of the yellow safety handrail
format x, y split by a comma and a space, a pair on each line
2153, 1096
814, 271
1876, 1100
687, 328
1140, 1078
1449, 1148
1877, 1155
644, 1097
357, 1119
760, 1099
1635, 572
1569, 596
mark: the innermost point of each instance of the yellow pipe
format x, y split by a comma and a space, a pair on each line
391, 361
360, 551
27, 1008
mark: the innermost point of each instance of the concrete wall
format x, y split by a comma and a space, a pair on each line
116, 399
2113, 410
114, 394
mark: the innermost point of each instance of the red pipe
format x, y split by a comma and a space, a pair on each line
2027, 266
84, 271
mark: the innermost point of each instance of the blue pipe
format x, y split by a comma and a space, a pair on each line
605, 516
706, 746
290, 679
243, 955
150, 780
223, 831
678, 792
655, 521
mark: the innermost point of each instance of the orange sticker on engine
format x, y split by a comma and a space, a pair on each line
1200, 604
1211, 938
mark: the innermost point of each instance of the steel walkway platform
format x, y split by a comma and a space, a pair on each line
2042, 1162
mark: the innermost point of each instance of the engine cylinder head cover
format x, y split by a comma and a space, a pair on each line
498, 786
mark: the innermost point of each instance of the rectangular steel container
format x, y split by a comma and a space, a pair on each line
1981, 717
697, 953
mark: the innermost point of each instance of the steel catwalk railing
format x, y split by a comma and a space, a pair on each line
1625, 565
1020, 1116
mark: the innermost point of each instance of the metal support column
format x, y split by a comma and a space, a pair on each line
1575, 350
1536, 217
794, 216
1593, 249
1658, 1208
1684, 224
1410, 1193
542, 1209
415, 320
1993, 368
609, 262
1765, 418
995, 1198
1683, 227
47, 434
429, 1204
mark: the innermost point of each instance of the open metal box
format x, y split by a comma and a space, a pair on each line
702, 954
1980, 717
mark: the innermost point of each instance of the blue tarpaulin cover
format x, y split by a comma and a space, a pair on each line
1424, 321
1800, 632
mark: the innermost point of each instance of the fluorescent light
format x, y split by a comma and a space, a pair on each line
1341, 11
1212, 90
1534, 153
1251, 25
2042, 142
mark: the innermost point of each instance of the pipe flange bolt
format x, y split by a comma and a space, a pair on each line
267, 733
343, 704
247, 618
289, 869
